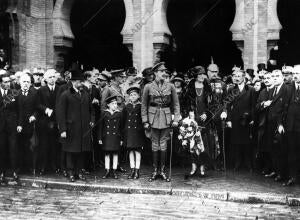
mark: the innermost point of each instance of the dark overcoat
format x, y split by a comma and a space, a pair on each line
134, 134
240, 113
110, 130
74, 114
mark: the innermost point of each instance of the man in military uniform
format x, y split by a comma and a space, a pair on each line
114, 89
159, 98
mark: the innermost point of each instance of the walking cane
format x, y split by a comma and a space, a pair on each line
93, 149
223, 143
171, 152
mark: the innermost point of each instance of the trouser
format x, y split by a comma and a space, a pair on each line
159, 138
279, 158
8, 146
75, 162
242, 152
28, 154
293, 153
49, 150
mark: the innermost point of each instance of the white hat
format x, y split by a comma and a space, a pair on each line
296, 69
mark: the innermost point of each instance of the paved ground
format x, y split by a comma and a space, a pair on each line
215, 181
23, 203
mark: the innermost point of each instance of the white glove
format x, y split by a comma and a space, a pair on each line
223, 115
31, 119
48, 112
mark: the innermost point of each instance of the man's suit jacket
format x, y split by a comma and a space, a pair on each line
293, 113
47, 99
27, 106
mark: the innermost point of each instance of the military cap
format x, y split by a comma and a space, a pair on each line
178, 77
133, 89
159, 67
147, 72
111, 98
287, 69
106, 74
131, 71
116, 73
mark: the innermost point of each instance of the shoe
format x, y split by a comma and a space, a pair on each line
72, 178
271, 175
121, 169
154, 175
65, 173
106, 175
114, 174
163, 174
278, 178
15, 177
290, 182
42, 172
57, 171
136, 174
2, 178
84, 171
81, 176
131, 175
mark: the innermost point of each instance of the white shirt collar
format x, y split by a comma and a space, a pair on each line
51, 87
2, 91
241, 86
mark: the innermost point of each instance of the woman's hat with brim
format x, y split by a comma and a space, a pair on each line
111, 99
147, 72
133, 89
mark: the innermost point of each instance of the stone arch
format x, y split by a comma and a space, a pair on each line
63, 35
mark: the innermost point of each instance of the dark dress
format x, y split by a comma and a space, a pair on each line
134, 135
110, 128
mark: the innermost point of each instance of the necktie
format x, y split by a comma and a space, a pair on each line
275, 92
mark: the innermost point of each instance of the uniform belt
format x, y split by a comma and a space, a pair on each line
159, 105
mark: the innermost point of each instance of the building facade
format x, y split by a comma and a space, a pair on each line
40, 32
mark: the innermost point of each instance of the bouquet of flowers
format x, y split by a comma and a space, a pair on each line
190, 136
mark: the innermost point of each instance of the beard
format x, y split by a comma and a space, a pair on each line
37, 84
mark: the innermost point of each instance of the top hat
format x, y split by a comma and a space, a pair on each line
76, 74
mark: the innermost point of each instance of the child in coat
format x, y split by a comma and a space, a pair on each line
134, 134
110, 135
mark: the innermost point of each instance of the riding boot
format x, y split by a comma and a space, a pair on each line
162, 165
155, 165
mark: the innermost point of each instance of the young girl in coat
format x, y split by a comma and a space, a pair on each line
134, 135
110, 135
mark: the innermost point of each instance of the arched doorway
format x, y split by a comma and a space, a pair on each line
201, 32
289, 44
97, 26
5, 44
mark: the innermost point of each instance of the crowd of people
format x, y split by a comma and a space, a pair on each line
71, 123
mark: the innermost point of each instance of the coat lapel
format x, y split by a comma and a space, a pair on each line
278, 93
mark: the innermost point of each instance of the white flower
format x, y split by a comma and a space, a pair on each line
184, 143
192, 143
190, 129
179, 137
182, 129
198, 134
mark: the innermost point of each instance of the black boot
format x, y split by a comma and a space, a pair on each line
155, 165
136, 174
131, 175
162, 165
114, 174
106, 175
